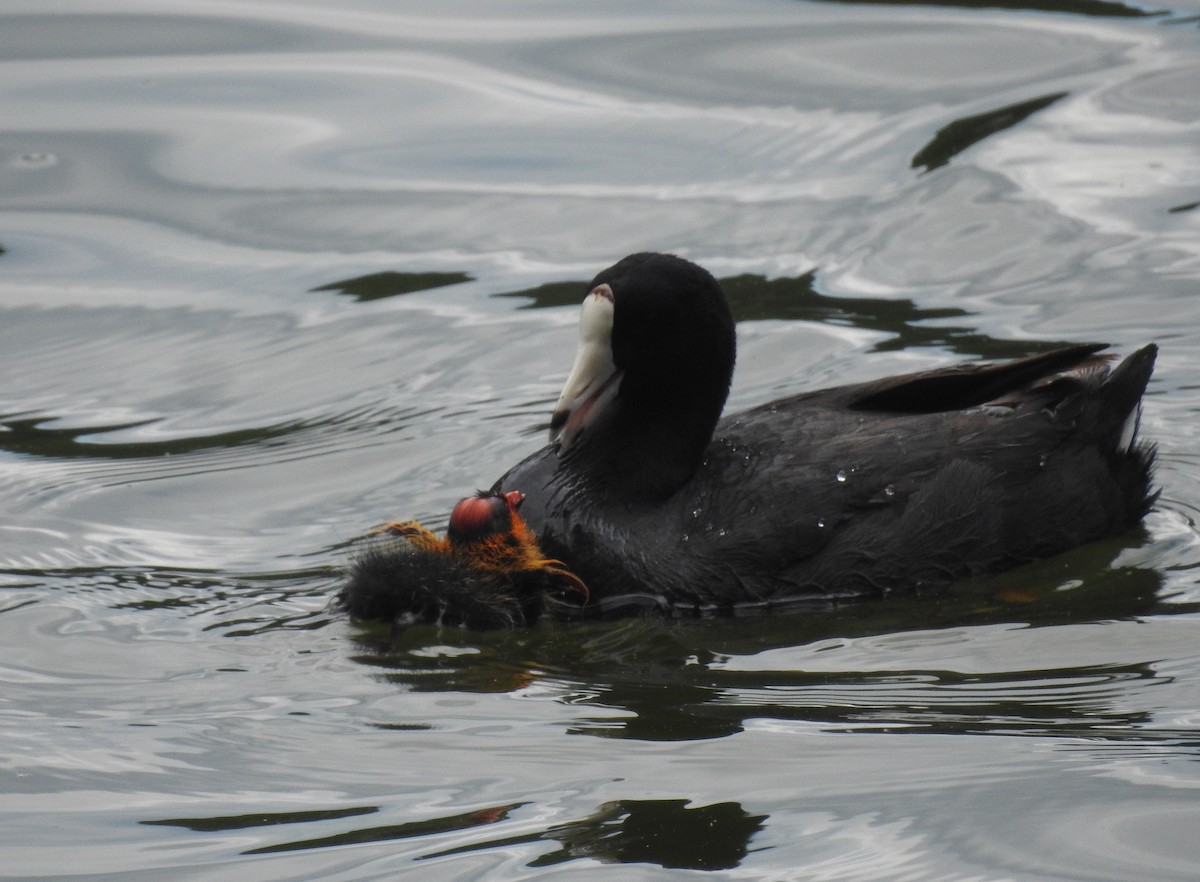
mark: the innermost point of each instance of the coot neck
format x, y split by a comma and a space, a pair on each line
671, 345
634, 462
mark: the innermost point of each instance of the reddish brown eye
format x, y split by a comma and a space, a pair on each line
478, 517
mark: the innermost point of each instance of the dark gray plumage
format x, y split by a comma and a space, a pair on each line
887, 486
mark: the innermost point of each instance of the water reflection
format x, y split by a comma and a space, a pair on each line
1101, 8
755, 297
103, 455
664, 832
261, 819
378, 286
550, 295
392, 832
908, 325
32, 435
659, 681
382, 833
956, 137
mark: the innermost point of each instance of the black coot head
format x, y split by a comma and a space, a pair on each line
655, 359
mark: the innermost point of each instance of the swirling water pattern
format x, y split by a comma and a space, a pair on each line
275, 272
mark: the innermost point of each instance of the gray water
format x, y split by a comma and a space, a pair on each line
275, 272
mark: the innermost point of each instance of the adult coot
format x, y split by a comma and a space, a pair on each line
653, 500
883, 486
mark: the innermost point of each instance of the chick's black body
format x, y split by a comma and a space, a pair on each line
395, 582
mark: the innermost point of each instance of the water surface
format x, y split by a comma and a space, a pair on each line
275, 272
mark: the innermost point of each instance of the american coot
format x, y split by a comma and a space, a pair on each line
654, 501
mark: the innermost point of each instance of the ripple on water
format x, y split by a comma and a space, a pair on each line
193, 431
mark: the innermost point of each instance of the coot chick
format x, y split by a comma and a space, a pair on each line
861, 490
487, 572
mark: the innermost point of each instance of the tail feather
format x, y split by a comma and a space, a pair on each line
1122, 392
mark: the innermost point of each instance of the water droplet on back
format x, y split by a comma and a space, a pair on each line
36, 160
